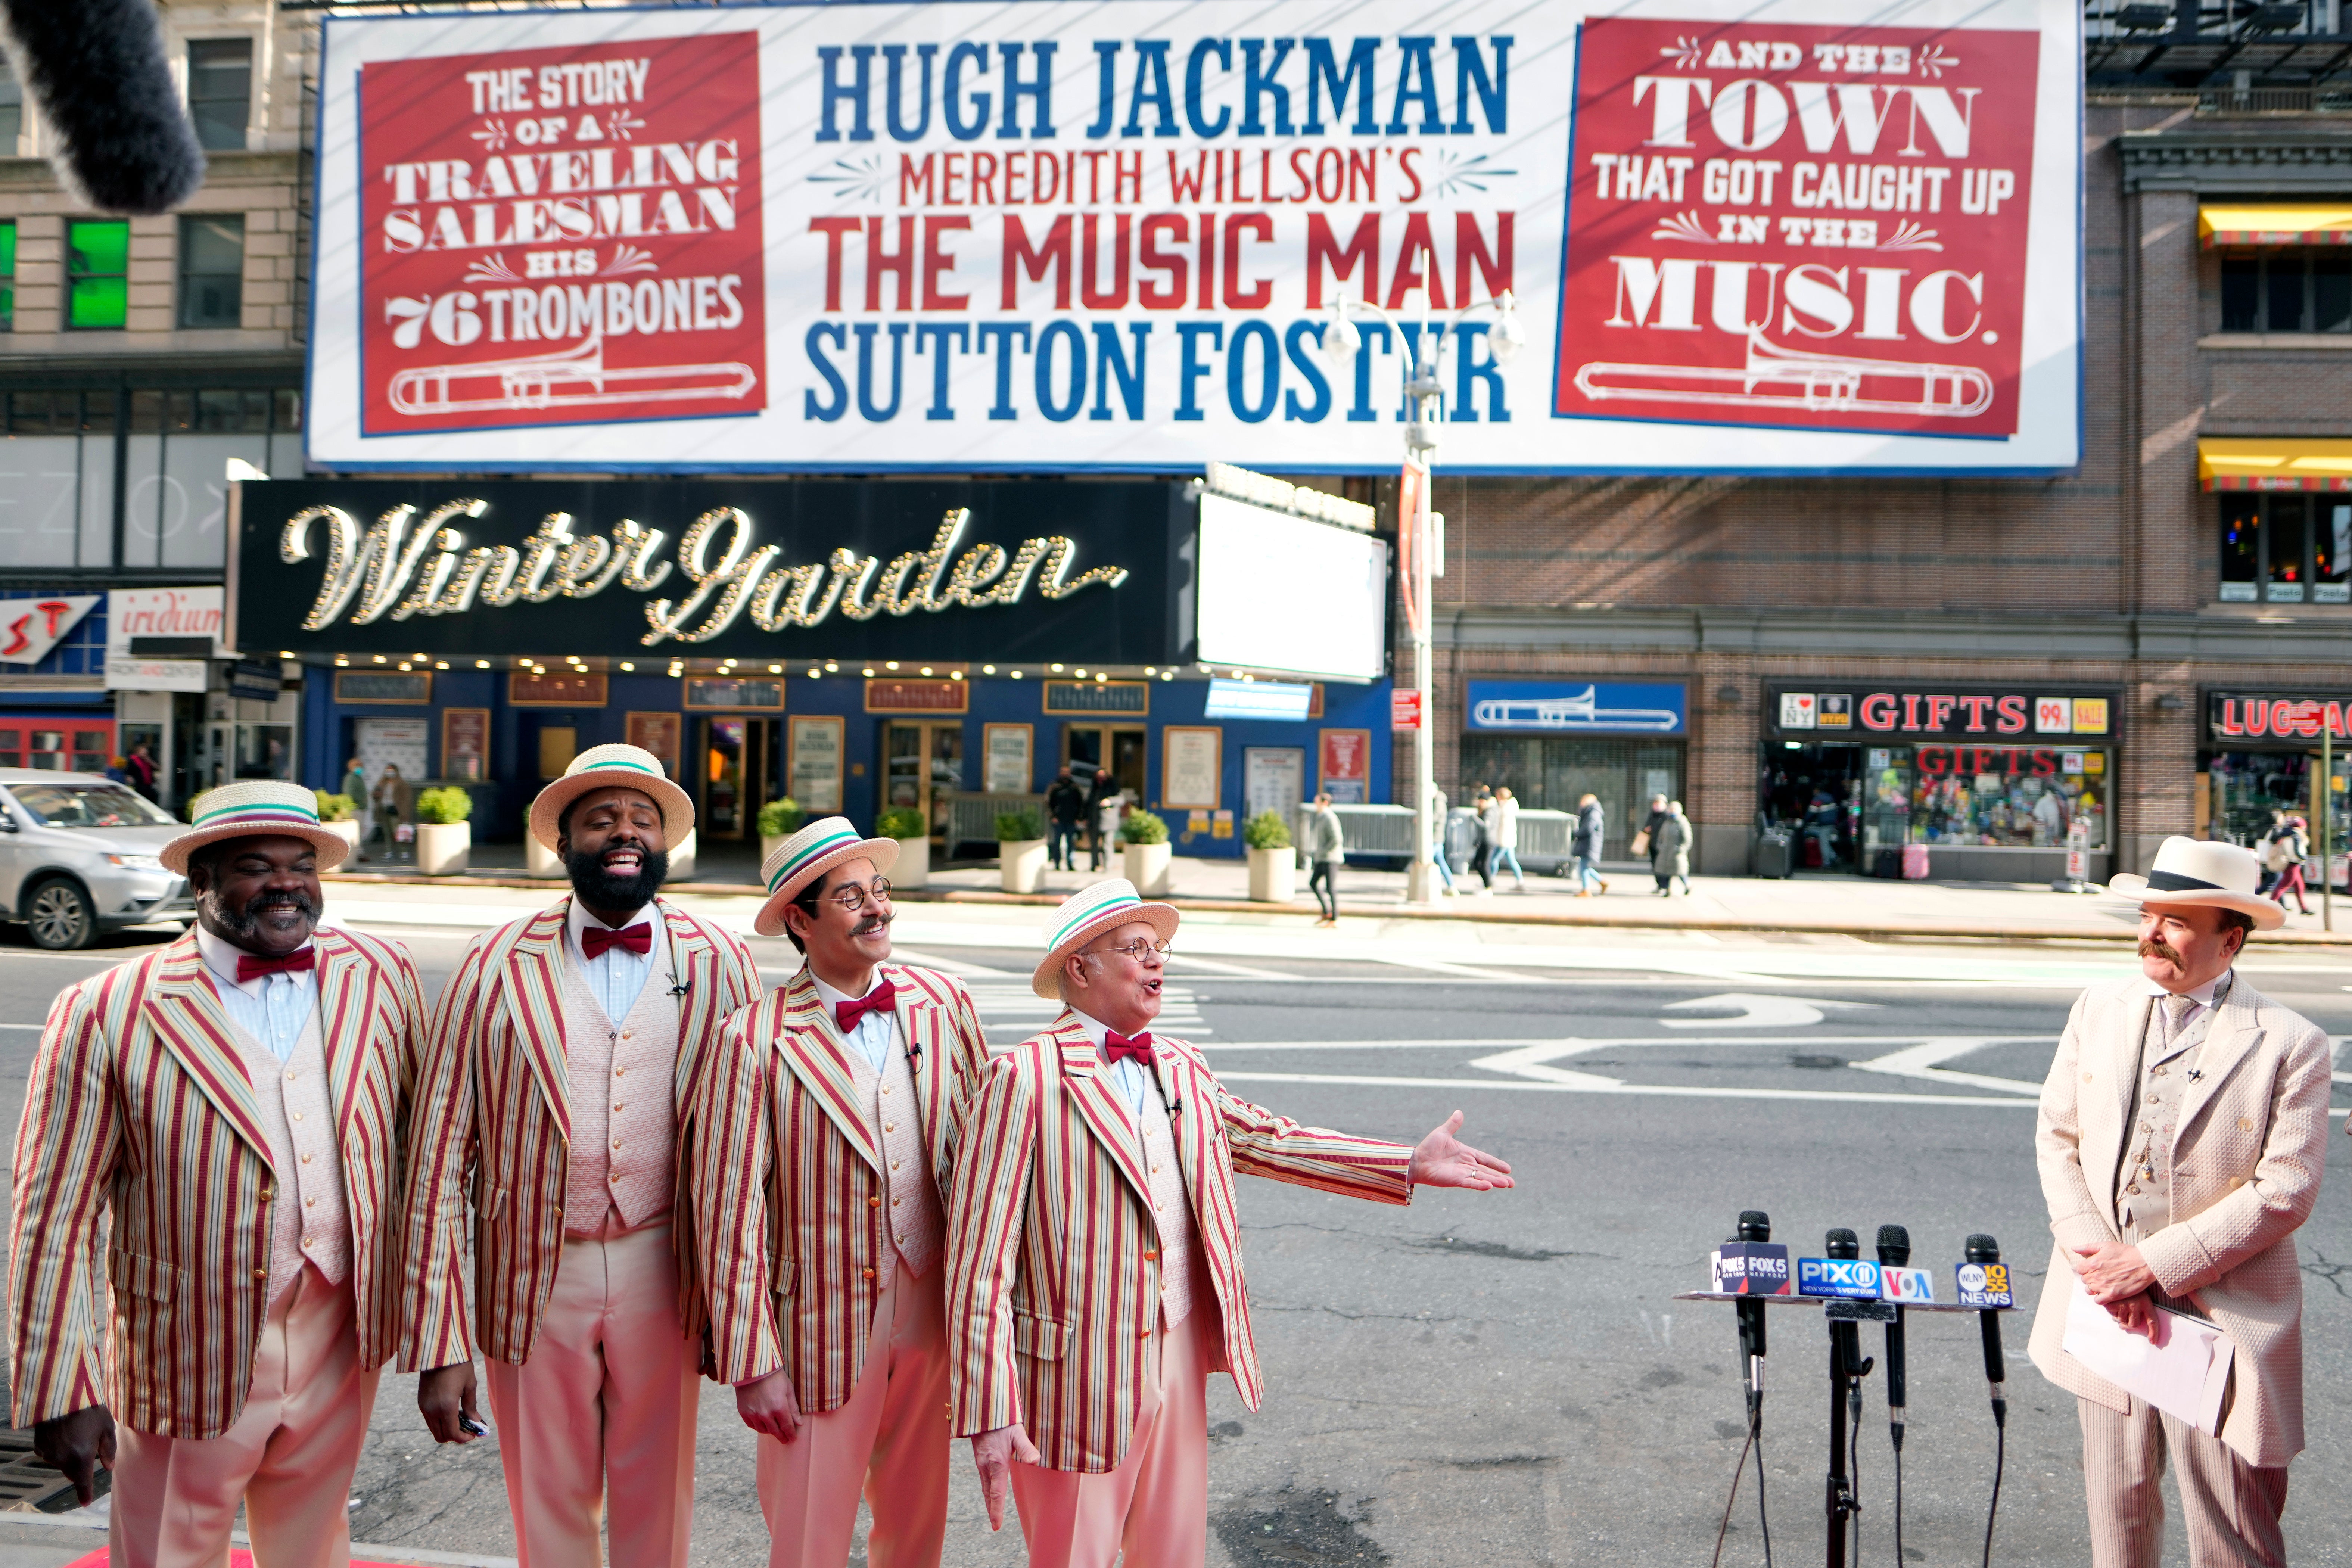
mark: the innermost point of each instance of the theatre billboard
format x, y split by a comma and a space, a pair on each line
1048, 237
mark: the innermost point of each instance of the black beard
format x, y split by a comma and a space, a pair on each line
242, 926
601, 890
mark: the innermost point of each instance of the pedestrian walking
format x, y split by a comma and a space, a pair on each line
1325, 855
2272, 856
1100, 794
1670, 851
1591, 831
1507, 836
1437, 846
2295, 847
142, 766
2182, 1130
1646, 842
1065, 816
1482, 842
1110, 812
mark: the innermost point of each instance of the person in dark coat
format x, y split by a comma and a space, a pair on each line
1592, 830
1065, 814
1099, 790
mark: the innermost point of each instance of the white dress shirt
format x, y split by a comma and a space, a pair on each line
875, 1031
272, 1008
616, 975
1134, 1079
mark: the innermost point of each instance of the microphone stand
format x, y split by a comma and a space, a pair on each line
1894, 1251
1847, 1368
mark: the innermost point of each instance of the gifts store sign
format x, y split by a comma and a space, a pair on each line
1810, 227
562, 235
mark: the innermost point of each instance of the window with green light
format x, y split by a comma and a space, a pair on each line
9, 276
98, 274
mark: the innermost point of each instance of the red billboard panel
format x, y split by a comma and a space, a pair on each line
561, 236
1805, 227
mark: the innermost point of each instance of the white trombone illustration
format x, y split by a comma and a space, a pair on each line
1581, 711
1778, 377
567, 378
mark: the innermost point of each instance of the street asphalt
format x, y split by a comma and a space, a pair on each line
1504, 1377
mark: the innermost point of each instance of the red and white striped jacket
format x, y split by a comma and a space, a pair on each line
493, 1130
140, 1108
1053, 1257
789, 1182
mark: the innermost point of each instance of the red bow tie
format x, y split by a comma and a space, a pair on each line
250, 967
596, 940
1115, 1045
846, 1015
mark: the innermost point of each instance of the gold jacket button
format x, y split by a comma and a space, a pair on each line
2245, 1124
868, 1272
1150, 1254
261, 1274
874, 1202
2087, 1077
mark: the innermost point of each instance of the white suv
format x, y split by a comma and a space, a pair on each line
78, 856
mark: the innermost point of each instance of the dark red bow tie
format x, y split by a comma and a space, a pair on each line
251, 967
1115, 1045
846, 1015
595, 941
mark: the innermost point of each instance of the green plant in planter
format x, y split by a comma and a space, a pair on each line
1267, 830
779, 818
1142, 827
1019, 827
902, 821
336, 807
443, 806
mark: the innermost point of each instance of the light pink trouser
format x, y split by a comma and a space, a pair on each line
2233, 1508
610, 1388
1155, 1506
290, 1457
891, 1440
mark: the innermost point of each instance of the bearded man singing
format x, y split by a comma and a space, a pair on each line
551, 1105
2182, 1132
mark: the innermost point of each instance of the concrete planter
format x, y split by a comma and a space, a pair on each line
1146, 866
1274, 875
1022, 864
768, 842
914, 867
349, 832
540, 862
681, 858
442, 847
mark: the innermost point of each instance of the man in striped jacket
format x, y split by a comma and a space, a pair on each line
235, 1104
560, 1066
825, 1133
1094, 1276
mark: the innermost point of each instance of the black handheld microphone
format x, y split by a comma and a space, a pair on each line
1894, 1252
1983, 1249
1755, 1226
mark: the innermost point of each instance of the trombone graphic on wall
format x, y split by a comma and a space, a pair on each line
1580, 712
1778, 377
570, 378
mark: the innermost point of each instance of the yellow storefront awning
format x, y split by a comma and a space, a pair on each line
2250, 463
2275, 223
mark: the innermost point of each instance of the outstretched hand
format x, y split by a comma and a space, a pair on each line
1442, 1160
992, 1453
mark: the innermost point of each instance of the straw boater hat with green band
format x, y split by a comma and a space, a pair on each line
256, 808
1087, 914
807, 856
602, 767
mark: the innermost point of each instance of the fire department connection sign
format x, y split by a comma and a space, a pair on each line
1038, 237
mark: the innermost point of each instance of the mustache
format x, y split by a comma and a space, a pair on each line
2157, 947
246, 919
878, 921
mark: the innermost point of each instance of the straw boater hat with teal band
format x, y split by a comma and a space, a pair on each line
256, 808
1103, 906
601, 767
808, 854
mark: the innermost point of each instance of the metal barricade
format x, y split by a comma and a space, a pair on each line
1373, 833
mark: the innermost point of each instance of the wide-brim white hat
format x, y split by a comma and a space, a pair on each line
256, 808
2197, 871
809, 854
602, 767
1087, 913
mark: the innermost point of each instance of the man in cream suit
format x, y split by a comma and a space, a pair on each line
560, 1063
1095, 1269
2182, 1133
825, 1127
233, 1104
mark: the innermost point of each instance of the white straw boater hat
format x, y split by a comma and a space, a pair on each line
257, 808
807, 855
602, 767
1087, 913
2193, 871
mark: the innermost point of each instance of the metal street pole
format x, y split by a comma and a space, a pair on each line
2326, 826
1427, 829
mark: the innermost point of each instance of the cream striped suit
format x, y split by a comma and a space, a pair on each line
495, 1110
1053, 1285
139, 1105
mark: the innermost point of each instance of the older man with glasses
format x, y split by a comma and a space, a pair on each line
1094, 1277
824, 1137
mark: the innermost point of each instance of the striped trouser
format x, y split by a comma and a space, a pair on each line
2233, 1506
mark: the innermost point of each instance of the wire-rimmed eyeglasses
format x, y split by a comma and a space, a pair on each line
1134, 950
851, 897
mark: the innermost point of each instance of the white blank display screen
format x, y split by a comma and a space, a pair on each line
1280, 593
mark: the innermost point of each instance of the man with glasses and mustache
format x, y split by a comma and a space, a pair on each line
825, 1136
552, 1105
2183, 1128
1094, 1277
232, 1103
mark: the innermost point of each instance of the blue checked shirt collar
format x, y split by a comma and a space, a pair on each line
617, 976
876, 1032
272, 1008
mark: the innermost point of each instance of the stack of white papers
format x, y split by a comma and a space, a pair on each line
2183, 1372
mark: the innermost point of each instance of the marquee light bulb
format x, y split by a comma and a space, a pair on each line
890, 664
1016, 675
955, 675
869, 672
379, 659
481, 664
1101, 676
631, 667
1079, 673
927, 669
775, 669
988, 669
830, 667
811, 672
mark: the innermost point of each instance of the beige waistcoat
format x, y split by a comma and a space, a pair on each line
623, 1101
309, 1220
894, 1120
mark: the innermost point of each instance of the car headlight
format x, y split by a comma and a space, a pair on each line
135, 862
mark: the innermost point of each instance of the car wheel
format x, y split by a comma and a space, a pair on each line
59, 916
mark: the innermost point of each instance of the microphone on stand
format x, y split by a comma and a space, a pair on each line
1983, 1251
1847, 1369
1755, 1226
1984, 1279
1894, 1252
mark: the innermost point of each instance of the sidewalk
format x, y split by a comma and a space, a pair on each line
1817, 905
